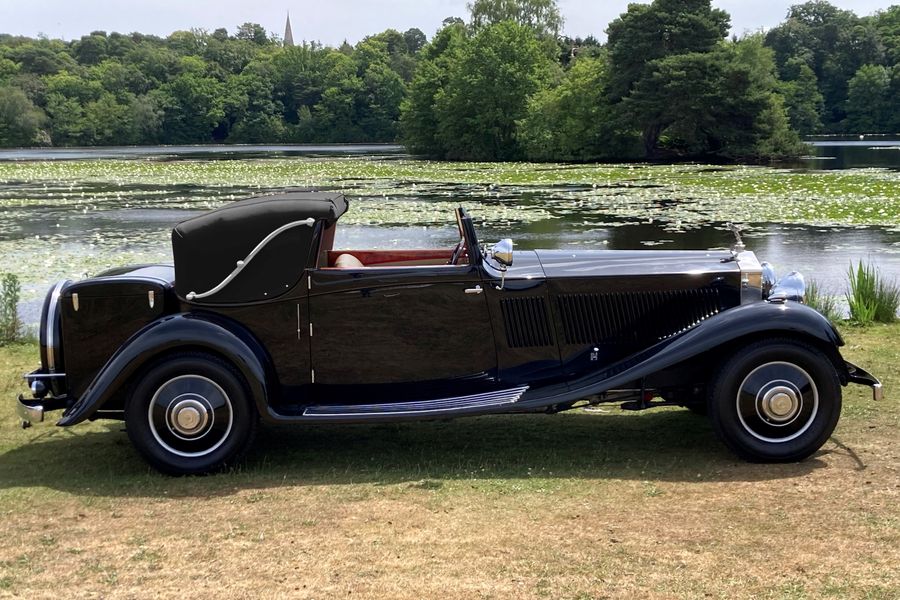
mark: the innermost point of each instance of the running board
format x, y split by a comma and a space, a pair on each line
424, 407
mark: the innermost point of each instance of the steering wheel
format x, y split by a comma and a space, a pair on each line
458, 251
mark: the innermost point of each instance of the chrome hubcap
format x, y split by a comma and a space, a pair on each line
190, 415
780, 403
777, 401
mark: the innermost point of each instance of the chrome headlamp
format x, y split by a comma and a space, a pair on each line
790, 287
769, 278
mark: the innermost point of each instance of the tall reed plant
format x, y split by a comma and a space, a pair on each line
10, 325
820, 299
871, 297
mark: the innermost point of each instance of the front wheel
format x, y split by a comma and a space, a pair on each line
775, 401
190, 414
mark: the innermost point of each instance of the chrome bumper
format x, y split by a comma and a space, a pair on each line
863, 377
29, 410
43, 386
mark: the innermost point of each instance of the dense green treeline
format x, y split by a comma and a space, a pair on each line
201, 87
505, 85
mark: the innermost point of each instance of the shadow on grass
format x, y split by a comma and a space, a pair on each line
668, 445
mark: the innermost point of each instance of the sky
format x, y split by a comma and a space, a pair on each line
332, 21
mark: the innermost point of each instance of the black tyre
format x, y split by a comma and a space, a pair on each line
190, 414
775, 401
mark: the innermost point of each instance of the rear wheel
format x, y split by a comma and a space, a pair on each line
775, 401
190, 414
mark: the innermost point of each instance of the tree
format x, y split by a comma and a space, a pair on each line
91, 49
418, 117
119, 78
256, 117
146, 119
802, 98
108, 122
415, 40
575, 120
571, 48
869, 102
158, 65
42, 58
647, 32
298, 74
541, 16
73, 86
382, 87
720, 102
253, 32
488, 86
392, 45
334, 116
192, 107
834, 43
7, 69
887, 25
20, 120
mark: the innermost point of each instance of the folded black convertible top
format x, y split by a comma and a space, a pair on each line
206, 248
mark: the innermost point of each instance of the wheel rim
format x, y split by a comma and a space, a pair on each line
777, 402
190, 415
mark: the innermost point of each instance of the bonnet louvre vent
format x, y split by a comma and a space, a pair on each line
633, 316
526, 323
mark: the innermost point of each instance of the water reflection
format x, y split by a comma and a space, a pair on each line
836, 152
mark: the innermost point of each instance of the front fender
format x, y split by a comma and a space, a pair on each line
748, 319
185, 330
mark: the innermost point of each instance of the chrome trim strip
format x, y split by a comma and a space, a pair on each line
127, 277
30, 376
49, 324
488, 399
243, 263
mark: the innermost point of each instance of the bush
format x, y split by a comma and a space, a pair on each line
871, 297
10, 326
824, 302
887, 301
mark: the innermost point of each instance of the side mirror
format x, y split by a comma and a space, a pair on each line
502, 252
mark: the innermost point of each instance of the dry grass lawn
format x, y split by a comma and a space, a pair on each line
578, 505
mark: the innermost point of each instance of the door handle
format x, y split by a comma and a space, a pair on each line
475, 290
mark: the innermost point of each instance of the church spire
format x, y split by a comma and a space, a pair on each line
288, 34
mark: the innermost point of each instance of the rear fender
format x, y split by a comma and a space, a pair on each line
186, 330
757, 319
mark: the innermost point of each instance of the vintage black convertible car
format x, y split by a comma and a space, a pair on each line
261, 317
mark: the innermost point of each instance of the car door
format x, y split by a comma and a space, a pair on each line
391, 334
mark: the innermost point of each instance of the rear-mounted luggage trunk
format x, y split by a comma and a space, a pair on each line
99, 314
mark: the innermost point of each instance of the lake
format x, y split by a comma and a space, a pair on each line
66, 213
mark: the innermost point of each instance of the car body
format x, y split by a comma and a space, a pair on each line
261, 318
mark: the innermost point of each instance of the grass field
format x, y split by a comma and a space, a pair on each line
578, 505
